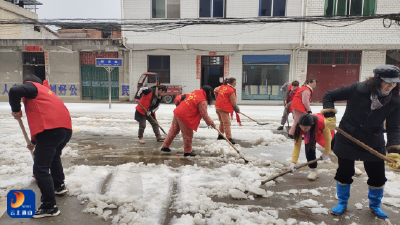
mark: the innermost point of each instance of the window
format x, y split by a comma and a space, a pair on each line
212, 8
349, 7
272, 8
334, 58
161, 66
165, 9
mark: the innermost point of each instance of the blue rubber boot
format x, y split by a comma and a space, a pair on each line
375, 197
343, 193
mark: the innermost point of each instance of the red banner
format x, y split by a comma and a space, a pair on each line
46, 63
212, 53
226, 66
198, 67
34, 48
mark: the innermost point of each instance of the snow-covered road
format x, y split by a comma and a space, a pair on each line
140, 193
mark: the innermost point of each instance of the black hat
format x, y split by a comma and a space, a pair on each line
33, 78
388, 73
306, 120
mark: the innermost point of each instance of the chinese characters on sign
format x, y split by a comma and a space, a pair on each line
6, 90
198, 67
226, 67
125, 90
34, 48
46, 63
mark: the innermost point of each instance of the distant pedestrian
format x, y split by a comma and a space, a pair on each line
225, 104
150, 99
301, 102
51, 129
292, 88
187, 118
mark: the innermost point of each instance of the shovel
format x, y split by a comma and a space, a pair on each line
28, 141
241, 155
289, 170
287, 116
153, 119
253, 119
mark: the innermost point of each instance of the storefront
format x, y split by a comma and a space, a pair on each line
263, 76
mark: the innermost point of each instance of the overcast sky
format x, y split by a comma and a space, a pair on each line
109, 9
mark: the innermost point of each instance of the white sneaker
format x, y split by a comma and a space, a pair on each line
313, 174
141, 141
357, 172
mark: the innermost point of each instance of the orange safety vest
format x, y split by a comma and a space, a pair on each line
223, 101
319, 135
187, 110
297, 100
46, 111
145, 101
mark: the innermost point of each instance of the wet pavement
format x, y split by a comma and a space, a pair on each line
115, 150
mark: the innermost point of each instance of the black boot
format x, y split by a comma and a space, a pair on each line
189, 154
164, 149
220, 137
61, 190
40, 213
231, 141
280, 128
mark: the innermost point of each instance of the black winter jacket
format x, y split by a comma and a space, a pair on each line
362, 123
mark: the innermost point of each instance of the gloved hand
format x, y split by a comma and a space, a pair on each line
395, 157
309, 112
148, 113
330, 123
292, 165
325, 156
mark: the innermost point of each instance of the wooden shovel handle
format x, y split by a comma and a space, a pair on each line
366, 147
247, 116
153, 119
289, 170
219, 132
28, 141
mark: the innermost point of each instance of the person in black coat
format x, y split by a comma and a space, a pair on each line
369, 104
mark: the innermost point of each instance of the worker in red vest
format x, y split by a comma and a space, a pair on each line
178, 99
187, 118
292, 88
301, 102
313, 129
150, 99
224, 105
51, 129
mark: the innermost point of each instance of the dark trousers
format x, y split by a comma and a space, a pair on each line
375, 172
47, 166
142, 125
311, 154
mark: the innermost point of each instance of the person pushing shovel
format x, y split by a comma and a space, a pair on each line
187, 118
51, 129
369, 103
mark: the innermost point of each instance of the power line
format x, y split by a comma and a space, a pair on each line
140, 25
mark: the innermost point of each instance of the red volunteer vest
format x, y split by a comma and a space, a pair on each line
187, 110
297, 99
319, 135
46, 111
145, 101
223, 101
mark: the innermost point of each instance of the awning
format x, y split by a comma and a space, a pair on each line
266, 59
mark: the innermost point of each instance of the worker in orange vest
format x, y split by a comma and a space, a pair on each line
312, 127
150, 99
301, 102
51, 129
292, 88
224, 105
187, 118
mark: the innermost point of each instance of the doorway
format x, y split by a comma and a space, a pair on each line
212, 70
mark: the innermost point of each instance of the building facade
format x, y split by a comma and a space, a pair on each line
261, 57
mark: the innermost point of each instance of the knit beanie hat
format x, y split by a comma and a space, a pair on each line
306, 120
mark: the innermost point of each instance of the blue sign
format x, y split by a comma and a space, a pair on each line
252, 67
109, 62
21, 203
278, 67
